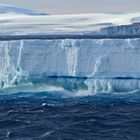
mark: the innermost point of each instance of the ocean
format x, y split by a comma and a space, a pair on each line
54, 115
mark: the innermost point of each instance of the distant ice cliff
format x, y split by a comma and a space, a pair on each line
132, 29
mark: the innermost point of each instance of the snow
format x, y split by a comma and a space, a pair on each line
24, 24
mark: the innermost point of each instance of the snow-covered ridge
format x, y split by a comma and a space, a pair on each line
5, 9
23, 25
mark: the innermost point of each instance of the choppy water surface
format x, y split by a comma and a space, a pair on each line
56, 116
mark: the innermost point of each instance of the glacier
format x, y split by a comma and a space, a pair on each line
94, 52
94, 64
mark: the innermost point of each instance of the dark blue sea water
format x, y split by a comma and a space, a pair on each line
51, 116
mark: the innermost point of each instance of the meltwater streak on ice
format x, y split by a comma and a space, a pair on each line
10, 75
69, 45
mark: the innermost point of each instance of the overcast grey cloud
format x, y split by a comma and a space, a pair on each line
76, 6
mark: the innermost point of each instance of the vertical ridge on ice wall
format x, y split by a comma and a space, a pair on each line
110, 85
10, 74
72, 55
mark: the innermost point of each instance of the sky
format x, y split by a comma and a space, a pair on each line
76, 6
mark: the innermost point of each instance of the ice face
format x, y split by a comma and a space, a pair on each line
10, 74
95, 60
82, 58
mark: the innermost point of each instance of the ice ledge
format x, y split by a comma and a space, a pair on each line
84, 35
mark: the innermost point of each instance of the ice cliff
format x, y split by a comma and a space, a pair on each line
132, 29
101, 63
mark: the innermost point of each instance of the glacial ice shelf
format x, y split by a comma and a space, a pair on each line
103, 64
95, 64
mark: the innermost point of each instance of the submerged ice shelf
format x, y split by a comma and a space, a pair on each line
94, 64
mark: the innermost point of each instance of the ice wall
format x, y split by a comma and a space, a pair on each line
11, 74
85, 58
